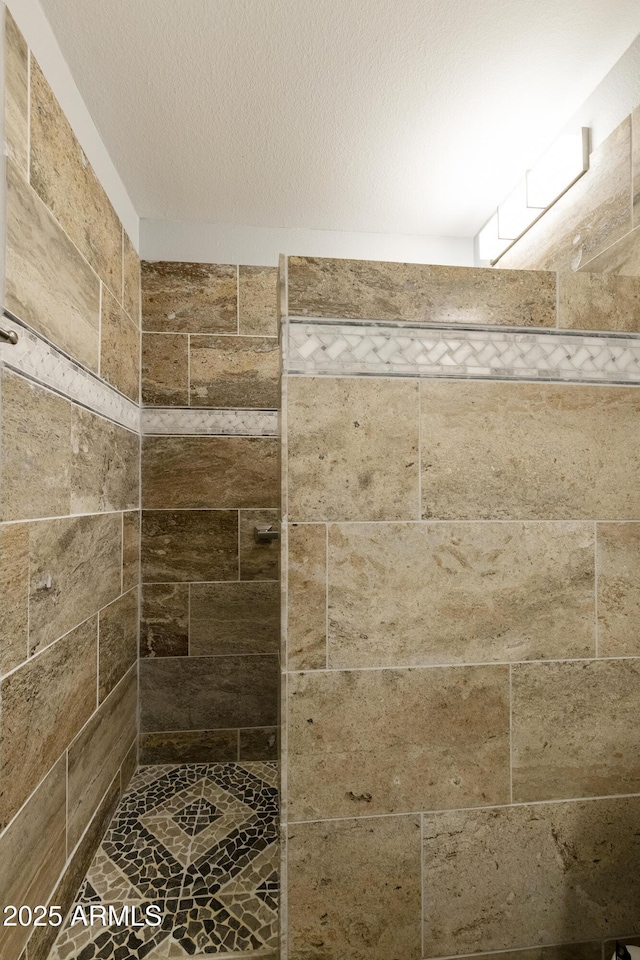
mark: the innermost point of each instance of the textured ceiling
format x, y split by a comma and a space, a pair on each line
398, 116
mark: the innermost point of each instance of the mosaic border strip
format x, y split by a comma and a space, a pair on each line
364, 349
233, 423
36, 358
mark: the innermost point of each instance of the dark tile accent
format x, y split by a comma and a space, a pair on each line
187, 545
260, 743
164, 625
189, 746
232, 618
189, 297
165, 369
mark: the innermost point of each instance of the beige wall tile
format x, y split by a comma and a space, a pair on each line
130, 549
362, 743
48, 284
208, 693
459, 592
119, 348
307, 596
44, 704
65, 892
501, 879
261, 743
622, 257
130, 764
189, 746
118, 641
104, 464
165, 369
598, 301
591, 950
32, 853
353, 449
66, 182
164, 625
363, 290
189, 297
217, 472
16, 94
575, 729
524, 451
258, 301
258, 561
97, 753
189, 545
588, 218
354, 889
235, 372
635, 164
36, 450
233, 618
618, 589
131, 277
75, 569
14, 590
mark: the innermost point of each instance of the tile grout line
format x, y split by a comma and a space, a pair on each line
422, 889
595, 587
326, 595
511, 733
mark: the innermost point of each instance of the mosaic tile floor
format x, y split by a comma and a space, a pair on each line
199, 840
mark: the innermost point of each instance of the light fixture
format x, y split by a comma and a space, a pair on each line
543, 185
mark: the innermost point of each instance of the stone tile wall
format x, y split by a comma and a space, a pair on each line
69, 513
210, 608
461, 686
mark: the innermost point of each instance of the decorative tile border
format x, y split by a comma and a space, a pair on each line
235, 423
39, 360
360, 349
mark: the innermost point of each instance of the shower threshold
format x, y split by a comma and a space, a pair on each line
200, 841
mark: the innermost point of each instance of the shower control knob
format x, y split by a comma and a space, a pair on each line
264, 533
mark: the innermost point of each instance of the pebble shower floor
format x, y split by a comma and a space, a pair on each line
199, 840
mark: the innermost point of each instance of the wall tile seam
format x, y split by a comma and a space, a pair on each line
69, 516
206, 730
191, 583
212, 336
210, 656
426, 521
48, 646
32, 364
64, 753
455, 665
31, 189
443, 811
533, 946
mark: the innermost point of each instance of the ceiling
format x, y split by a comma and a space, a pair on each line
386, 116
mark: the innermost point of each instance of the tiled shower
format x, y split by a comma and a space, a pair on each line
408, 730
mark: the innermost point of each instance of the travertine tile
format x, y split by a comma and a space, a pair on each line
119, 348
189, 545
307, 596
130, 549
235, 372
501, 879
189, 746
164, 623
588, 218
131, 278
618, 589
44, 704
16, 94
66, 182
261, 743
32, 853
258, 301
36, 450
97, 753
391, 741
104, 464
598, 301
130, 763
366, 290
233, 618
189, 297
118, 643
165, 369
353, 449
75, 566
217, 472
14, 590
65, 892
354, 889
622, 257
205, 693
48, 284
524, 451
459, 592
258, 561
592, 950
635, 164
575, 729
